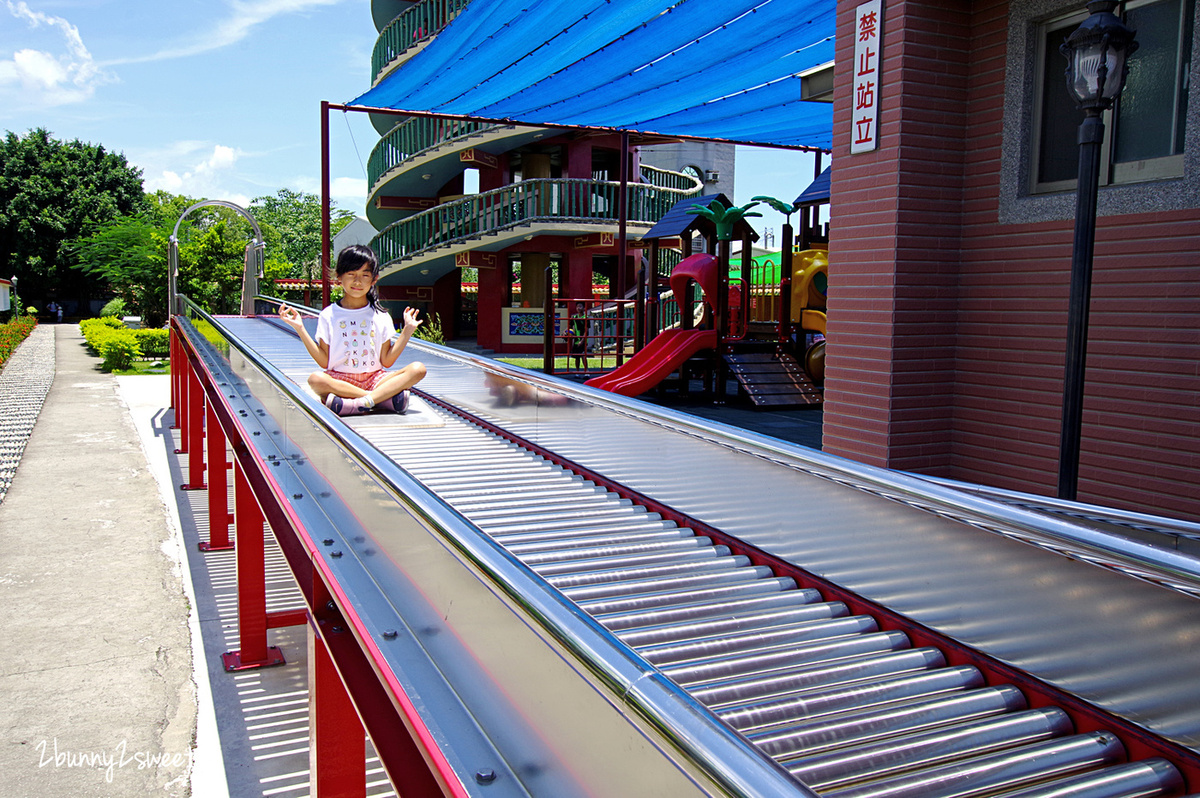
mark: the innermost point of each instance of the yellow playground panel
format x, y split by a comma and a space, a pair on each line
810, 282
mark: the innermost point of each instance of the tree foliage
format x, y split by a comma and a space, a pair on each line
296, 217
131, 255
52, 193
74, 220
724, 218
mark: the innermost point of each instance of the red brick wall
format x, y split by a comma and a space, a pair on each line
894, 250
946, 329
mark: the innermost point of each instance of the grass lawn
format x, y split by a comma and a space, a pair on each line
146, 367
562, 365
533, 362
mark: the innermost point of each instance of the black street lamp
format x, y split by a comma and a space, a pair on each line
1097, 55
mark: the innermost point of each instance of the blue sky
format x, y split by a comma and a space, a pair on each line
221, 99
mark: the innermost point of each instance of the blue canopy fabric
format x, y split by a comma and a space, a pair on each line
711, 69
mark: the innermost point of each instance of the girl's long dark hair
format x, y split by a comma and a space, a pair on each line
353, 258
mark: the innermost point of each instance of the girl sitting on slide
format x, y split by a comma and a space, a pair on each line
356, 343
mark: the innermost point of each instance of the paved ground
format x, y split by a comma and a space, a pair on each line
799, 426
96, 689
24, 383
112, 682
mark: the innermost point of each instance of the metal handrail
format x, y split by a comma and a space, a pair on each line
542, 199
679, 182
418, 23
724, 756
1078, 511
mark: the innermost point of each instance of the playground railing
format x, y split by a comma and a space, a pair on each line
764, 303
590, 335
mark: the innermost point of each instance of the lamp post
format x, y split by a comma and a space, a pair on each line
1097, 54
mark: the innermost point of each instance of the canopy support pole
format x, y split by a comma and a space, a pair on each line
325, 244
622, 215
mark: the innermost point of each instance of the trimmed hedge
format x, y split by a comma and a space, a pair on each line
112, 340
154, 343
13, 333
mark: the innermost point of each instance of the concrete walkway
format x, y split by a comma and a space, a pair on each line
113, 683
97, 696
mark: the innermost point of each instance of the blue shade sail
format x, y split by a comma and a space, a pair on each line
715, 69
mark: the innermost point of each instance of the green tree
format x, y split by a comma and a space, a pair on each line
163, 210
53, 193
131, 255
212, 257
296, 217
211, 263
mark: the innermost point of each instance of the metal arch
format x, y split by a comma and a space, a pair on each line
253, 259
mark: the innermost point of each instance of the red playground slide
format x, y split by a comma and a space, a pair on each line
667, 352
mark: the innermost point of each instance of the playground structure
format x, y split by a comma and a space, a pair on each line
763, 324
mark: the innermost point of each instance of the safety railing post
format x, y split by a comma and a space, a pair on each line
176, 369
193, 432
181, 397
218, 491
253, 651
336, 738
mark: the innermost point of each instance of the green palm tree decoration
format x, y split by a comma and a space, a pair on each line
781, 206
724, 218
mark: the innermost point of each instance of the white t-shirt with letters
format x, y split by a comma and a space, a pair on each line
355, 337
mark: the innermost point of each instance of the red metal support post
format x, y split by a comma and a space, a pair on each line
176, 370
325, 233
181, 397
336, 739
194, 432
622, 221
253, 651
549, 312
218, 491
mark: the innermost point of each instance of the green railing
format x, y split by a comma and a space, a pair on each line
414, 136
412, 26
668, 259
564, 200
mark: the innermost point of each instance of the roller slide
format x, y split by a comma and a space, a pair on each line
667, 352
786, 622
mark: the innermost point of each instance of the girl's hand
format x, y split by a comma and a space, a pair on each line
291, 316
411, 322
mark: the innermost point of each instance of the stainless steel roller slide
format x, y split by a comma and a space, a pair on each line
763, 668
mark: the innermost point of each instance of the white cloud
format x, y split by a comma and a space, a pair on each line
355, 187
349, 192
40, 78
221, 158
244, 17
192, 168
